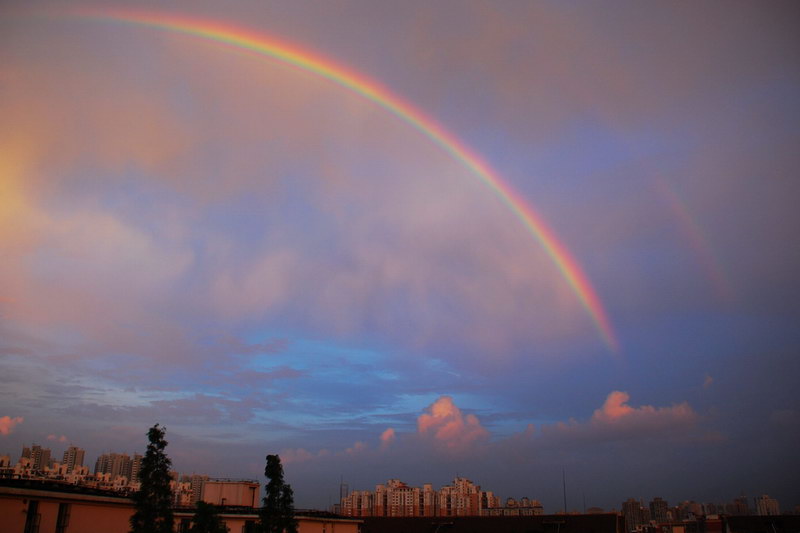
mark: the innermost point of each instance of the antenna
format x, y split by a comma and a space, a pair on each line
564, 483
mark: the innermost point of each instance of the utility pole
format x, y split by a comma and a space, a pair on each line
564, 483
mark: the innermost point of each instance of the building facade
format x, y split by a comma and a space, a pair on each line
73, 458
633, 512
766, 506
38, 506
659, 510
231, 492
397, 499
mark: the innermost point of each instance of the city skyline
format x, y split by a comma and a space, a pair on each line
115, 472
112, 465
503, 240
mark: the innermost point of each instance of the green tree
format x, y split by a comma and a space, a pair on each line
277, 515
206, 519
153, 501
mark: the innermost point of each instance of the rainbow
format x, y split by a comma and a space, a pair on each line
698, 241
383, 97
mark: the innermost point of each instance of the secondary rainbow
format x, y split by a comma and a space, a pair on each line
383, 97
698, 241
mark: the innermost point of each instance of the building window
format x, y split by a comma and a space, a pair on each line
33, 517
63, 517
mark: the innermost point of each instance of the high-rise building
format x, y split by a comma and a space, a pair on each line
462, 498
39, 457
739, 507
73, 458
632, 511
197, 482
404, 500
710, 509
396, 498
115, 465
428, 500
766, 506
136, 466
358, 503
690, 510
381, 500
658, 510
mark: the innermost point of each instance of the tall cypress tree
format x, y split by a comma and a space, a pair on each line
153, 501
277, 515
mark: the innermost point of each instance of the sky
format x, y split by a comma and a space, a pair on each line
557, 236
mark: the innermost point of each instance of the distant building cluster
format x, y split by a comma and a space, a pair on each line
659, 517
120, 472
463, 498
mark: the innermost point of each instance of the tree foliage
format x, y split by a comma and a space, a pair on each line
206, 519
153, 501
277, 515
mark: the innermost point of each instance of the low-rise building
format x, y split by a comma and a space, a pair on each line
243, 493
46, 506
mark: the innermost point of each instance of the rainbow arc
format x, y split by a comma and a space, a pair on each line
372, 90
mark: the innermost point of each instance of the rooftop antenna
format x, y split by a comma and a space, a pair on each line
564, 483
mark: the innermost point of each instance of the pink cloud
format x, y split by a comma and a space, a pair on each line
7, 424
617, 420
444, 422
387, 437
443, 429
357, 447
616, 410
62, 438
71, 248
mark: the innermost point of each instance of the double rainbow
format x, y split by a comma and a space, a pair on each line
383, 97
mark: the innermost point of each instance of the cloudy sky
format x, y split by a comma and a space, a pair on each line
267, 261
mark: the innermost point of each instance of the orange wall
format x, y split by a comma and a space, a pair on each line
106, 518
12, 515
233, 493
84, 516
305, 525
87, 516
326, 527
